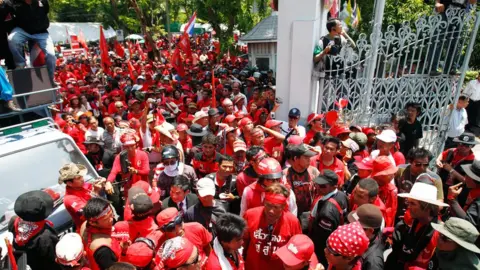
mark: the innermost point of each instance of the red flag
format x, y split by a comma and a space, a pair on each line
104, 52
81, 40
130, 48
68, 36
217, 47
37, 56
131, 69
11, 257
140, 51
214, 91
184, 44
74, 42
119, 49
177, 62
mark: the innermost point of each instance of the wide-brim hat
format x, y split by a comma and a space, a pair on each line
33, 206
473, 170
196, 130
466, 138
425, 193
93, 140
462, 228
70, 171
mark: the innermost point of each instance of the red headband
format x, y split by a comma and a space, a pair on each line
275, 198
102, 214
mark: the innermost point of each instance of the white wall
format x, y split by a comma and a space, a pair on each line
298, 32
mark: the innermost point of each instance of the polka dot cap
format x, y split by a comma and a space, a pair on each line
349, 240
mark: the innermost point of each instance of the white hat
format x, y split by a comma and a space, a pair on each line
387, 136
198, 115
227, 101
141, 77
425, 193
205, 187
69, 250
173, 107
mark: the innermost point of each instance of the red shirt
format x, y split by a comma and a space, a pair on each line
456, 157
213, 263
377, 203
399, 158
203, 166
141, 228
274, 148
139, 162
261, 244
75, 200
243, 181
388, 195
337, 166
187, 144
309, 136
196, 234
204, 103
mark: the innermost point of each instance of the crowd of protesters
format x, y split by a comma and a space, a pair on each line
195, 174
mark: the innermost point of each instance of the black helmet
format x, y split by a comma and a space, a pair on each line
170, 151
235, 71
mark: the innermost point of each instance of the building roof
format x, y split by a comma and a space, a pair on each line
266, 30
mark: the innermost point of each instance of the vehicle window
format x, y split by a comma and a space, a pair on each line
33, 169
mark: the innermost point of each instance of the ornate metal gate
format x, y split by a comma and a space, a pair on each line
380, 77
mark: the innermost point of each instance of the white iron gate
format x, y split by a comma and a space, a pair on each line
406, 60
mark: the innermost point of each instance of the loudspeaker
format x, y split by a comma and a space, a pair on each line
31, 80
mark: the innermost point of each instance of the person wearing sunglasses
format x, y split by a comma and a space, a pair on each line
450, 162
341, 252
171, 224
419, 161
179, 253
456, 247
269, 228
327, 213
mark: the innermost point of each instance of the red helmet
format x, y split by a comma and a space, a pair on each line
269, 168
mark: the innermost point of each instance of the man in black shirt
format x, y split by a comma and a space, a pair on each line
411, 128
31, 17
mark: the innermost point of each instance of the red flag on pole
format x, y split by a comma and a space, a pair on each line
81, 40
140, 51
104, 52
177, 62
130, 49
68, 36
214, 91
131, 69
184, 44
119, 49
11, 257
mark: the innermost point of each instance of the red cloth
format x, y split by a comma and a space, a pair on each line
243, 181
104, 52
203, 166
119, 49
337, 166
204, 103
131, 115
187, 144
274, 148
377, 203
141, 228
309, 136
112, 109
456, 157
260, 248
27, 230
77, 135
75, 200
423, 259
177, 62
388, 195
213, 263
196, 234
139, 162
114, 246
399, 158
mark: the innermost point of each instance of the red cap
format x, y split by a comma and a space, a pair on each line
132, 101
154, 195
121, 231
175, 252
368, 131
239, 114
337, 130
166, 216
72, 96
364, 164
251, 79
207, 85
313, 116
182, 127
229, 119
273, 123
239, 145
186, 87
128, 139
115, 93
383, 166
299, 249
340, 244
189, 118
245, 121
295, 140
139, 254
220, 87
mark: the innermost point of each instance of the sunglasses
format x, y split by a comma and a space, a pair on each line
168, 163
322, 186
170, 227
418, 165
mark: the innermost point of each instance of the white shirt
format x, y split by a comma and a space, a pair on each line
458, 121
153, 157
301, 129
94, 134
473, 90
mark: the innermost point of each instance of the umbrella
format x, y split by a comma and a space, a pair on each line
134, 37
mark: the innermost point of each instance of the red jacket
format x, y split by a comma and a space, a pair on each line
75, 200
213, 263
388, 195
139, 162
141, 228
243, 181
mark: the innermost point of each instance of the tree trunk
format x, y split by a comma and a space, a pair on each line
147, 34
113, 3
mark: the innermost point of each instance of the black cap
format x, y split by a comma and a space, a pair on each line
139, 201
212, 112
466, 138
328, 177
196, 130
33, 206
301, 150
294, 112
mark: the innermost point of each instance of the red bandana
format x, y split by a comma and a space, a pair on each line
26, 230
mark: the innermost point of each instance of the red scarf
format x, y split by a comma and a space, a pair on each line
26, 230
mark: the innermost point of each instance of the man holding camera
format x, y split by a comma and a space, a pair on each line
331, 45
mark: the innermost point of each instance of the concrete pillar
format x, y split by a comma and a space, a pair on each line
298, 33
